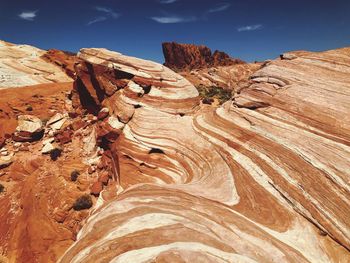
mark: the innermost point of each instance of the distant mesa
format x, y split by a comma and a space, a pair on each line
188, 56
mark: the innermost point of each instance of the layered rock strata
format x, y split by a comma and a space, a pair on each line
263, 178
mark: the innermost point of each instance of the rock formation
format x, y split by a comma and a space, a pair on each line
262, 178
202, 68
22, 65
181, 57
63, 59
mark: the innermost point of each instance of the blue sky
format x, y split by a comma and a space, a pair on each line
247, 29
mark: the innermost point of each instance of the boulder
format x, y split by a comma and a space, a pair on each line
5, 161
57, 121
64, 136
96, 188
115, 123
104, 112
47, 148
103, 177
30, 128
288, 56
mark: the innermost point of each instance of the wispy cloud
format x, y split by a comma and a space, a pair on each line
173, 19
219, 8
28, 15
96, 20
166, 18
167, 1
249, 28
108, 13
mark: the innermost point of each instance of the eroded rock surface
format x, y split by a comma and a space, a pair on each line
22, 65
264, 178
63, 59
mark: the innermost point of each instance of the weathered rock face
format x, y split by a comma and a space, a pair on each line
63, 59
22, 65
264, 178
105, 80
188, 56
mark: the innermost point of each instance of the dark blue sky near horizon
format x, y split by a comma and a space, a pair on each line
247, 29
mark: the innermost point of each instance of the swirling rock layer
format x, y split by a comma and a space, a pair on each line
264, 178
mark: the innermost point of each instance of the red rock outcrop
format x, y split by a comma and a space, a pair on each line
263, 178
187, 57
63, 59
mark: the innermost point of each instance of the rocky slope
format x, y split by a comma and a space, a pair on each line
180, 57
22, 65
262, 178
37, 193
37, 221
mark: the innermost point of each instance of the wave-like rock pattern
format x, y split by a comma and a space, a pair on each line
264, 178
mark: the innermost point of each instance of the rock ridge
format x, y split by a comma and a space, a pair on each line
188, 56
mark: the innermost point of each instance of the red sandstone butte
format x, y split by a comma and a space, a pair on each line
188, 56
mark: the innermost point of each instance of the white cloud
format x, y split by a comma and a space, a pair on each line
28, 15
167, 1
108, 11
249, 28
173, 19
219, 8
96, 20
